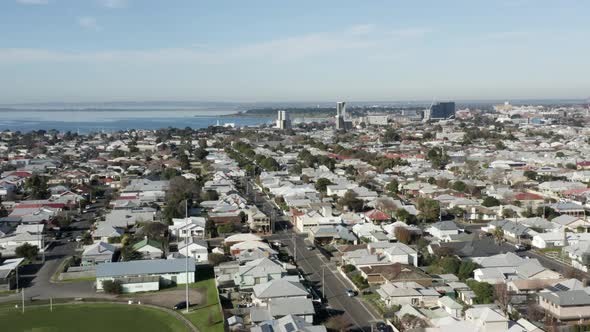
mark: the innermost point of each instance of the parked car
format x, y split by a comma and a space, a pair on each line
277, 244
310, 247
350, 292
519, 247
180, 305
382, 327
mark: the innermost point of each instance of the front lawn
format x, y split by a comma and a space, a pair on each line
90, 318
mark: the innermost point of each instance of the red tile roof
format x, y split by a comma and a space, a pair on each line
377, 215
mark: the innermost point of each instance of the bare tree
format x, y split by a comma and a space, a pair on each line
502, 296
338, 323
534, 312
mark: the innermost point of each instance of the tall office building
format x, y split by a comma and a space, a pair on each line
341, 122
440, 111
283, 121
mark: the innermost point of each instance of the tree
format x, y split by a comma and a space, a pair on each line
429, 209
209, 195
216, 259
500, 145
351, 201
169, 173
531, 175
112, 286
438, 157
226, 228
508, 213
27, 251
484, 292
338, 323
498, 234
392, 187
179, 191
36, 185
128, 254
403, 235
391, 135
466, 269
210, 228
321, 184
489, 201
459, 186
184, 161
502, 296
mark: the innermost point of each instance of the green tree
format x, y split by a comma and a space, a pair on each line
531, 175
392, 187
498, 234
184, 161
391, 135
438, 157
226, 228
429, 209
36, 185
209, 195
216, 259
466, 269
459, 186
484, 292
169, 173
27, 251
489, 201
321, 184
112, 287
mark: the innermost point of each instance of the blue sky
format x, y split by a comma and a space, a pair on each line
218, 50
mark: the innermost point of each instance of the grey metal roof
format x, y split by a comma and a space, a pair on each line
567, 298
143, 267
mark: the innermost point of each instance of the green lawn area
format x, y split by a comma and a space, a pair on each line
90, 318
207, 316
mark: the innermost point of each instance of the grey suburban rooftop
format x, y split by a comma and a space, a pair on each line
155, 266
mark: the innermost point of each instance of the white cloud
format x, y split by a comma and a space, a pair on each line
365, 38
89, 22
113, 4
33, 2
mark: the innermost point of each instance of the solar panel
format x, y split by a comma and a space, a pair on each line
289, 327
561, 287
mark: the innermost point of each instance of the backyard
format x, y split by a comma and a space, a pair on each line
89, 318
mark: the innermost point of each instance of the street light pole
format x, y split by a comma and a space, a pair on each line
186, 253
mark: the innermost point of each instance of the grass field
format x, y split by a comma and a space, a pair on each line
207, 316
89, 318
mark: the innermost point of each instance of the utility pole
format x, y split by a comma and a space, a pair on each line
22, 291
51, 304
294, 248
186, 253
324, 282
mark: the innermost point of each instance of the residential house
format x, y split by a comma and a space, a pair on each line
401, 293
97, 253
149, 249
443, 228
570, 305
196, 249
257, 272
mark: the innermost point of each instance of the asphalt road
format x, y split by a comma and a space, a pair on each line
312, 262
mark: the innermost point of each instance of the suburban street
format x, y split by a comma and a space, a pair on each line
311, 262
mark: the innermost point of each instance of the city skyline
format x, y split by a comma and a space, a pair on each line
117, 50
